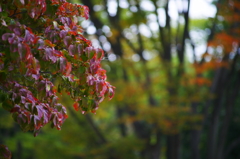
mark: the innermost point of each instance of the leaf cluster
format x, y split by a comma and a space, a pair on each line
43, 53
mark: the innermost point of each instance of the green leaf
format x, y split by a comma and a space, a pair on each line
59, 88
4, 14
3, 76
84, 57
91, 54
82, 70
7, 105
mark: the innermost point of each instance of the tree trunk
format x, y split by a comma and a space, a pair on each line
195, 137
231, 94
173, 146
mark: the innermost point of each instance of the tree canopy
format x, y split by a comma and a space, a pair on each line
43, 54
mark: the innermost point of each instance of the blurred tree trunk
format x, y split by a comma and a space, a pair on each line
19, 150
231, 95
167, 43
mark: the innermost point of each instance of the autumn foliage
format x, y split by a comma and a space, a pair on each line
43, 54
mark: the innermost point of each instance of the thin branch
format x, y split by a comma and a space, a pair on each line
96, 129
101, 138
14, 14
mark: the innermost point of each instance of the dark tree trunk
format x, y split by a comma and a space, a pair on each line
195, 136
173, 146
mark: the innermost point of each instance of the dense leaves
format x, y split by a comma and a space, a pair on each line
43, 53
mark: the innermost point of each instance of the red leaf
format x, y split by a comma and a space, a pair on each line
72, 50
49, 43
86, 12
76, 106
111, 92
16, 108
67, 40
57, 53
6, 36
99, 53
73, 33
68, 68
21, 50
62, 64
